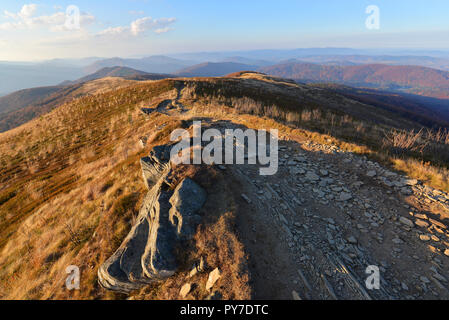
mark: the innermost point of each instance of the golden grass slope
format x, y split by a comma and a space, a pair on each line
70, 180
71, 186
24, 109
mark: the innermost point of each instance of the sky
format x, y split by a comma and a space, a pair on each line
44, 29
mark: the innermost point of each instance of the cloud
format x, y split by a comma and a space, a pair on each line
147, 23
163, 30
25, 13
8, 26
55, 19
26, 19
57, 24
114, 31
140, 26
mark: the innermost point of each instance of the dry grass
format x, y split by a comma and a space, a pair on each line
70, 185
77, 202
215, 241
440, 135
433, 176
403, 141
219, 246
426, 149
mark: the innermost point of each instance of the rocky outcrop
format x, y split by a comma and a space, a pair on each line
156, 165
166, 218
213, 278
187, 199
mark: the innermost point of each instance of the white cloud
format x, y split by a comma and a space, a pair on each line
147, 23
8, 26
27, 11
114, 31
25, 19
140, 26
55, 19
163, 30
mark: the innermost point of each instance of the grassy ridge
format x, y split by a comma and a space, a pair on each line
70, 181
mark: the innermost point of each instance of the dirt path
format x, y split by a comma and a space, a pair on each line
326, 216
316, 226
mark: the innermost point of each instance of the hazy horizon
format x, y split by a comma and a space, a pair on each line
399, 51
43, 31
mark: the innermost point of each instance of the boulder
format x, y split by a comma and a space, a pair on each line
185, 290
147, 254
187, 199
155, 165
421, 223
410, 182
166, 218
312, 176
406, 222
344, 196
158, 260
371, 173
213, 278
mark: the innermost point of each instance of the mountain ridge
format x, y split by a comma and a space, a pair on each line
75, 189
120, 72
151, 64
412, 79
215, 69
22, 106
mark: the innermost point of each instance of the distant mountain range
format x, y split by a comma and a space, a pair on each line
24, 105
278, 55
347, 60
120, 72
16, 76
423, 86
153, 64
22, 75
215, 69
412, 79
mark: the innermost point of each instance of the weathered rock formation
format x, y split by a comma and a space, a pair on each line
166, 218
